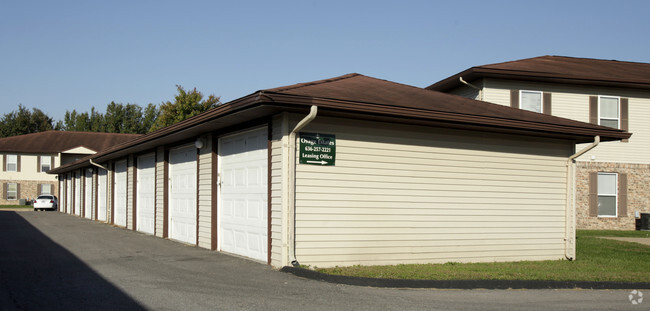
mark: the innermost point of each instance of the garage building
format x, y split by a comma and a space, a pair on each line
349, 170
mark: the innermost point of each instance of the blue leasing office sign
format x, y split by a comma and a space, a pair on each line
317, 149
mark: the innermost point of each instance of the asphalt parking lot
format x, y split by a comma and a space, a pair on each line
53, 261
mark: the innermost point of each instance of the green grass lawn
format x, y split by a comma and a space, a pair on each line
597, 260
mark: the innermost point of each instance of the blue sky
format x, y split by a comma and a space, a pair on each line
64, 55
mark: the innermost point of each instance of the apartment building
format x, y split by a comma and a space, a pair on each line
26, 159
612, 182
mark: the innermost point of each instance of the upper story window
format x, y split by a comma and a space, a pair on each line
535, 101
608, 107
531, 101
607, 194
46, 163
12, 163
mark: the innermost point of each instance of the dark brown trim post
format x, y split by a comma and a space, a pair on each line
514, 98
593, 194
593, 109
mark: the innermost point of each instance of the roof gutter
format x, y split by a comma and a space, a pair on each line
95, 164
570, 210
291, 189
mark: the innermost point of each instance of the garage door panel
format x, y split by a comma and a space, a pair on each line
146, 192
88, 195
243, 203
120, 194
77, 195
101, 194
182, 210
68, 195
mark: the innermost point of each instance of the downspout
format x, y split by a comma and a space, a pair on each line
570, 229
291, 189
480, 91
95, 164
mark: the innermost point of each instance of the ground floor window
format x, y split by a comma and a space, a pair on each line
12, 191
607, 194
46, 189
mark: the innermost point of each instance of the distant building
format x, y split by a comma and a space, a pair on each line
613, 178
26, 159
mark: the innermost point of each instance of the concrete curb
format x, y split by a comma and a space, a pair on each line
461, 284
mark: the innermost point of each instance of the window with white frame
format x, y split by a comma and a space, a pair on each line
12, 191
607, 194
12, 163
46, 189
46, 163
608, 107
530, 100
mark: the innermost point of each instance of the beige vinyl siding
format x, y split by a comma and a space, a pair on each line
572, 102
417, 195
28, 169
205, 193
160, 189
279, 131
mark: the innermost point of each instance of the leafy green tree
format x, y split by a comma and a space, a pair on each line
23, 121
114, 117
185, 105
149, 117
132, 120
96, 121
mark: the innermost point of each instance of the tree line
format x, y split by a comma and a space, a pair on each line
118, 117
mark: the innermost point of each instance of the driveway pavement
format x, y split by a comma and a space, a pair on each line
53, 261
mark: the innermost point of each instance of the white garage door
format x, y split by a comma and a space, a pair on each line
68, 194
146, 191
62, 194
101, 195
77, 194
120, 193
243, 205
88, 194
182, 194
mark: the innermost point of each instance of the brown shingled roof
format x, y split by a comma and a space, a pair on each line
58, 141
371, 95
559, 69
360, 97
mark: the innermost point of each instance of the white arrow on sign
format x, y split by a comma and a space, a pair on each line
321, 162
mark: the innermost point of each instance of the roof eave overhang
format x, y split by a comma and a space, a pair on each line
475, 73
261, 105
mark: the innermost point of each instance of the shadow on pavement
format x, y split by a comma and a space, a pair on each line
38, 274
